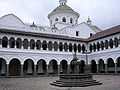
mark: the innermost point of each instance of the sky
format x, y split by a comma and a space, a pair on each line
103, 13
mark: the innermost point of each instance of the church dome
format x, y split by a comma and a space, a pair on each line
63, 14
62, 8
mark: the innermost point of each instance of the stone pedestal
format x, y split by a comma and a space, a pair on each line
75, 80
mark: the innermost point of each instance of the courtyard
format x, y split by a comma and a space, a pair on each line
110, 82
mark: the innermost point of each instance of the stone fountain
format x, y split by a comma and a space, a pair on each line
77, 79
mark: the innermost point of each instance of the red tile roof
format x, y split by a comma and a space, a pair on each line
105, 33
102, 34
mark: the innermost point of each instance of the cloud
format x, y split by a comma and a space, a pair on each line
104, 13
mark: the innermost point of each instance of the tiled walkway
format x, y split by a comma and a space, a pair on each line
43, 83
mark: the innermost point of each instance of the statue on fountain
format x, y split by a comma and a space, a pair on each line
76, 79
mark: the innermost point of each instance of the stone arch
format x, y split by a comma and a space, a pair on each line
38, 45
25, 44
55, 46
18, 43
111, 43
94, 47
63, 67
53, 67
70, 47
44, 45
101, 66
4, 42
41, 67
28, 67
93, 66
106, 44
60, 46
83, 48
90, 47
32, 44
75, 47
50, 45
15, 67
116, 42
64, 19
118, 64
82, 66
12, 42
65, 47
3, 67
102, 45
98, 46
79, 48
110, 65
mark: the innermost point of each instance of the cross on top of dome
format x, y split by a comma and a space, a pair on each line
62, 2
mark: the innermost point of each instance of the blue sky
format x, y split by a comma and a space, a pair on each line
103, 13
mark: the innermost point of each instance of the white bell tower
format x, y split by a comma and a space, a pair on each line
63, 2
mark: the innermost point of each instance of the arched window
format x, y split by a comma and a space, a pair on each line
25, 44
64, 19
90, 48
79, 48
56, 19
98, 46
111, 43
50, 46
116, 41
12, 42
4, 42
66, 47
32, 44
75, 48
106, 44
94, 47
102, 45
70, 47
44, 45
60, 46
71, 20
83, 48
18, 43
55, 46
38, 45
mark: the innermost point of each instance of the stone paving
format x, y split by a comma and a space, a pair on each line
110, 82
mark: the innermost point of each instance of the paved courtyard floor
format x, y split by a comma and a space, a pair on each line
110, 82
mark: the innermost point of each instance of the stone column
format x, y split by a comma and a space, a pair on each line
97, 68
106, 69
35, 73
116, 68
7, 71
59, 69
47, 68
15, 44
21, 70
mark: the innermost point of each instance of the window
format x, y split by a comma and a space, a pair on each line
71, 20
91, 34
56, 19
50, 21
64, 19
77, 33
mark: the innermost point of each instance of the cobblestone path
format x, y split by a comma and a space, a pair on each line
110, 82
